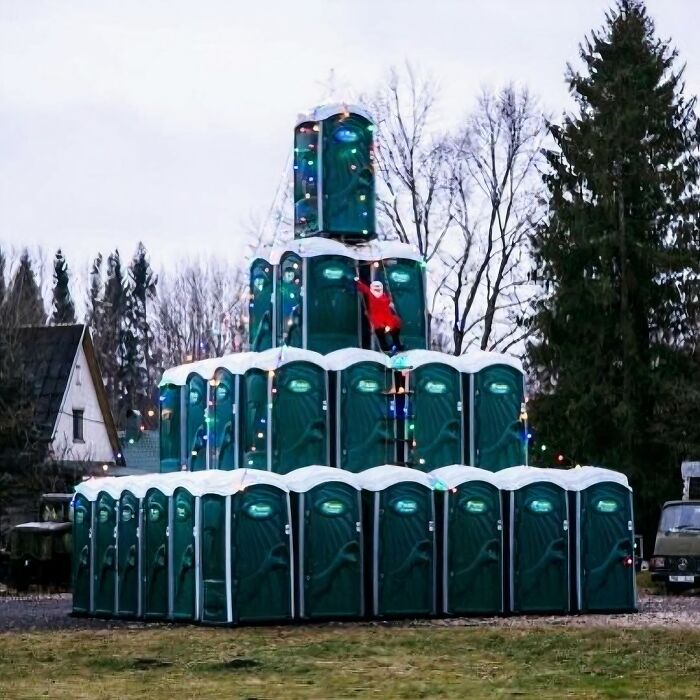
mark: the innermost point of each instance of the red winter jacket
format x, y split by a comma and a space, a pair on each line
379, 309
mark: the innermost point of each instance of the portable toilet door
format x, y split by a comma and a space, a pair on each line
261, 558
223, 423
289, 301
182, 555
299, 397
539, 540
128, 555
434, 425
196, 392
471, 540
171, 457
328, 543
105, 555
364, 431
82, 553
604, 541
254, 419
333, 313
260, 308
214, 542
404, 280
155, 554
496, 396
400, 530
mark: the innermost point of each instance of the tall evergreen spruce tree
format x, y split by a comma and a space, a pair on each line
619, 257
140, 362
63, 307
25, 305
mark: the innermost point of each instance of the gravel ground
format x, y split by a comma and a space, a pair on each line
52, 612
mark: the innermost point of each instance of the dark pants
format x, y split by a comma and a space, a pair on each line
389, 340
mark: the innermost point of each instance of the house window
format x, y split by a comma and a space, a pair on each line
78, 375
78, 425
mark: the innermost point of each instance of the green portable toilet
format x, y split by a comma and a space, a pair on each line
399, 520
183, 429
433, 429
105, 552
327, 512
332, 306
402, 272
470, 517
316, 306
284, 403
222, 418
604, 540
213, 512
260, 307
245, 552
154, 553
361, 386
128, 555
82, 551
182, 575
496, 393
538, 530
170, 427
261, 551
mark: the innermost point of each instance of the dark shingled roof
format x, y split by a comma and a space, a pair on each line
142, 455
47, 357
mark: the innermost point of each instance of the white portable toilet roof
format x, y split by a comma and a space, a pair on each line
475, 360
322, 112
373, 251
178, 375
581, 478
215, 481
379, 478
235, 363
410, 359
306, 478
455, 475
345, 357
274, 358
513, 478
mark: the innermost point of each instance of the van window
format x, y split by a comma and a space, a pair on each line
680, 517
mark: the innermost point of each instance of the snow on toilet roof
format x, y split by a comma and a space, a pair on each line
476, 360
322, 112
514, 478
415, 358
581, 478
368, 251
306, 478
457, 474
379, 478
341, 359
214, 481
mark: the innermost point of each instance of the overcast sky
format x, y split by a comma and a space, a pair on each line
171, 121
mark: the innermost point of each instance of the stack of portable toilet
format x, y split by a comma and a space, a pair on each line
472, 558
327, 525
400, 556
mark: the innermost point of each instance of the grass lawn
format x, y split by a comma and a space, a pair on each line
350, 661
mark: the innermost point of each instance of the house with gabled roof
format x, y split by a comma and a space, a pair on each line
71, 410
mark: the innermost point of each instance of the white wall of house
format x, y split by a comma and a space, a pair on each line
81, 395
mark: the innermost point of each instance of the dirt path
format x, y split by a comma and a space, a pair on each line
30, 613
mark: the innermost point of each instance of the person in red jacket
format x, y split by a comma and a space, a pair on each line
382, 315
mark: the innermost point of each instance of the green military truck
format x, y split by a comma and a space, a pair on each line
676, 560
40, 551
